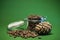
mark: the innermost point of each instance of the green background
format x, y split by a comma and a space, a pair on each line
15, 10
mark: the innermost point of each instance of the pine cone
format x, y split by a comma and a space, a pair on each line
43, 28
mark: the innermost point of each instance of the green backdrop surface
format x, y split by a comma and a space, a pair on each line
15, 10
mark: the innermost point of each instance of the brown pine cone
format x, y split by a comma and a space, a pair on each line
43, 28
